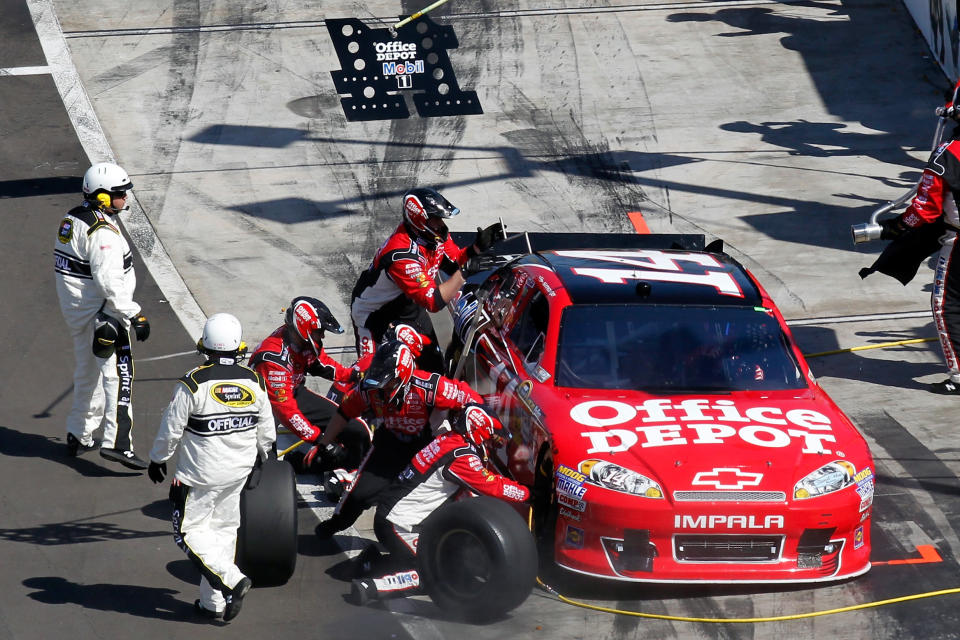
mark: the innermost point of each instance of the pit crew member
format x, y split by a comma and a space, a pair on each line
398, 399
284, 359
453, 465
400, 285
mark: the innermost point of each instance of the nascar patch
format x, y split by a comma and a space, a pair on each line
232, 395
65, 233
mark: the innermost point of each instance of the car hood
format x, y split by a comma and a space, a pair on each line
740, 441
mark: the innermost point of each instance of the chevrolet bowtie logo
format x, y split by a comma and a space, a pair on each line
728, 478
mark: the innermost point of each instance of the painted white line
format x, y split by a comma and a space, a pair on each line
25, 71
94, 142
904, 315
168, 356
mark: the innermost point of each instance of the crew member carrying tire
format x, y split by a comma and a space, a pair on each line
221, 419
284, 359
453, 465
400, 285
398, 399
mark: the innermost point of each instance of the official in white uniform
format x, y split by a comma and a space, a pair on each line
222, 420
95, 284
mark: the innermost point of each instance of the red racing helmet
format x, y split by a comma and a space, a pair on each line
480, 425
309, 318
389, 374
408, 336
424, 210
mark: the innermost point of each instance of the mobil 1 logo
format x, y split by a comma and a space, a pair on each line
377, 66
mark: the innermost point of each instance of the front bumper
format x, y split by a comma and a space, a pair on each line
653, 540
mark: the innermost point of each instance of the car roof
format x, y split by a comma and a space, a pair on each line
650, 276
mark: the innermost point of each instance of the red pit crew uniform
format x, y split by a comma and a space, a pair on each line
446, 469
937, 197
398, 436
401, 286
284, 370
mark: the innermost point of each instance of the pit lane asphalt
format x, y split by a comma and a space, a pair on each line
772, 125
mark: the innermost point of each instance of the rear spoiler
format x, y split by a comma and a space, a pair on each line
526, 242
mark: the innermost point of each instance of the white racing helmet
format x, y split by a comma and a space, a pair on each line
221, 334
105, 177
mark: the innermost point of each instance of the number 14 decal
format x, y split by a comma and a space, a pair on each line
659, 266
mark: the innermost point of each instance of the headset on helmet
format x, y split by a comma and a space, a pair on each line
221, 336
103, 181
389, 373
480, 425
408, 336
309, 318
419, 206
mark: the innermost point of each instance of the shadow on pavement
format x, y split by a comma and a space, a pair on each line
134, 600
34, 445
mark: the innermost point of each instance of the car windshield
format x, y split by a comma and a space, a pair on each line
664, 349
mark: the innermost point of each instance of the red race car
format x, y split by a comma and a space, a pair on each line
660, 407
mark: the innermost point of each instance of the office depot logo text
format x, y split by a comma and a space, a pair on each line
661, 423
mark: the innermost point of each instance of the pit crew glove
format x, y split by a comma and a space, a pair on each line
157, 471
488, 237
141, 327
892, 228
329, 455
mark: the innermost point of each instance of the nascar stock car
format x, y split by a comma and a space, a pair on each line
660, 406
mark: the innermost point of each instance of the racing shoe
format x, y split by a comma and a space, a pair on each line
203, 612
127, 458
366, 559
235, 599
947, 388
325, 530
363, 592
75, 447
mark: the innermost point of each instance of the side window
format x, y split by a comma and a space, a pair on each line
530, 332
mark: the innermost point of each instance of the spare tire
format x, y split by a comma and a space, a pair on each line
267, 538
477, 558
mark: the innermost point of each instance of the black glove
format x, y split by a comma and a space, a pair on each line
488, 237
356, 375
330, 456
892, 228
140, 327
157, 471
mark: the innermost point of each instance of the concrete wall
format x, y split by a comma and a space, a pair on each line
937, 20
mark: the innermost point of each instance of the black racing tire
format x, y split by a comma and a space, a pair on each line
477, 558
267, 538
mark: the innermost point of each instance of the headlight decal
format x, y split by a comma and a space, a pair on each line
616, 478
829, 478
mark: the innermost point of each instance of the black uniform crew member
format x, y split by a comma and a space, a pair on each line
452, 465
221, 419
400, 285
936, 201
95, 285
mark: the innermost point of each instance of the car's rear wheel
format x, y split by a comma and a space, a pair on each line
267, 537
477, 558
